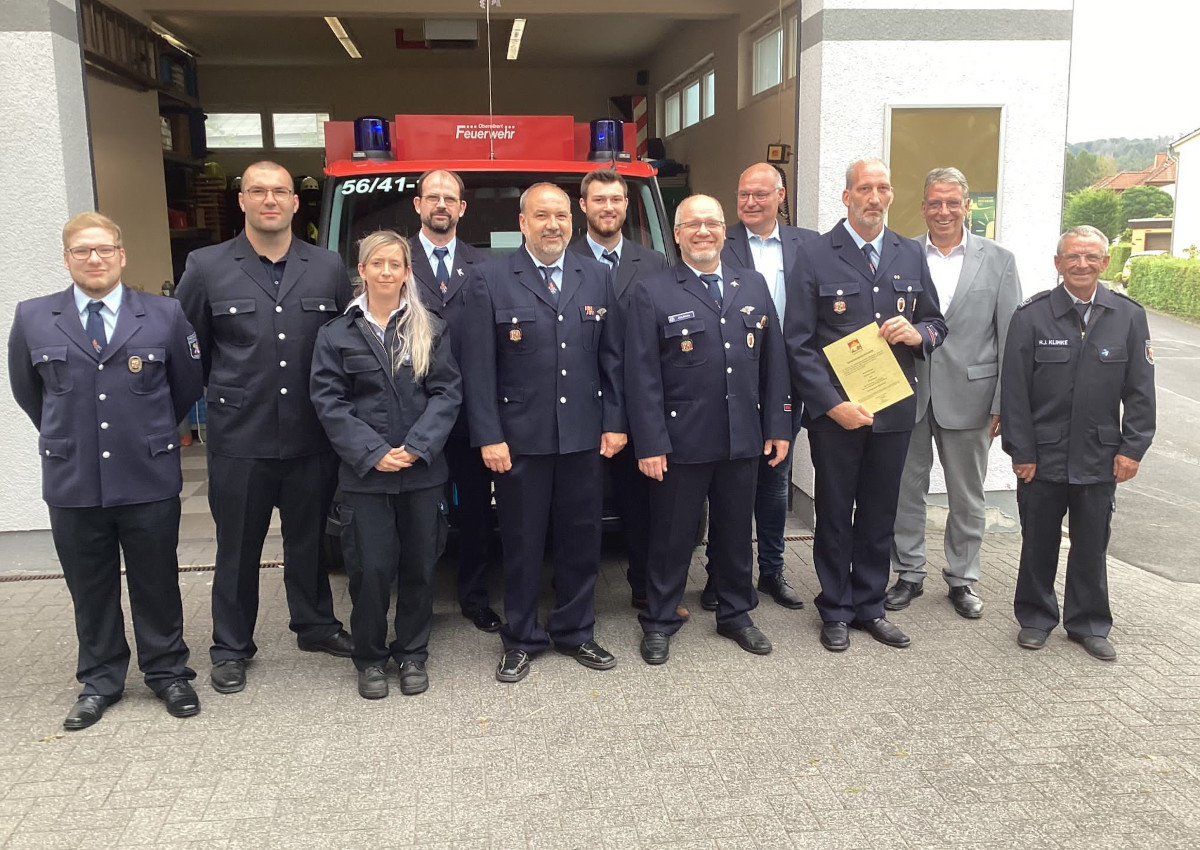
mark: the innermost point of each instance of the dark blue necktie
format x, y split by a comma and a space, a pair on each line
547, 276
611, 257
441, 272
95, 326
869, 253
1081, 309
714, 286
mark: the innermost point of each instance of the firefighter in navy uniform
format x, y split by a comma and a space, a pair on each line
257, 302
707, 395
1077, 416
106, 373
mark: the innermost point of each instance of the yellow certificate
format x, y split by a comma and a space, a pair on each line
870, 375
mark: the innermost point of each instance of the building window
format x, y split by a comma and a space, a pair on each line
768, 61
299, 129
689, 99
769, 52
234, 130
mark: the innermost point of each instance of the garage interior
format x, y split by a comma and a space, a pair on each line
266, 62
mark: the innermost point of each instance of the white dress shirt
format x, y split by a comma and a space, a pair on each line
945, 269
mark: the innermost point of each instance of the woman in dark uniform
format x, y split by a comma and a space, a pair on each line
387, 391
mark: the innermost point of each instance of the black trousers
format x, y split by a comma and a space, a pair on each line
676, 504
473, 488
631, 492
89, 542
241, 495
1088, 507
539, 488
856, 488
390, 536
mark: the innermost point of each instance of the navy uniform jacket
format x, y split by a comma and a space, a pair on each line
834, 294
1062, 396
737, 247
543, 377
704, 385
366, 409
107, 424
449, 304
637, 263
256, 341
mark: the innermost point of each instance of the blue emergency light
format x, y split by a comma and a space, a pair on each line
606, 140
372, 139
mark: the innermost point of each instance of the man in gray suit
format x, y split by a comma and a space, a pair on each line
958, 395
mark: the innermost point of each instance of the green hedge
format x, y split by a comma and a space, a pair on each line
1117, 254
1166, 283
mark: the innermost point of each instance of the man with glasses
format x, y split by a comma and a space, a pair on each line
106, 373
257, 302
958, 395
707, 396
1077, 415
858, 274
542, 378
604, 201
441, 263
761, 242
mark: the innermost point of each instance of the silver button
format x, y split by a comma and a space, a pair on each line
321, 307
564, 371
876, 315
222, 400
149, 356
560, 317
283, 390
278, 308
727, 345
47, 453
729, 369
514, 320
103, 426
562, 400
722, 320
672, 414
839, 292
45, 356
233, 309
100, 367
564, 345
876, 289
282, 364
283, 336
910, 289
170, 446
684, 331
599, 393
103, 396
105, 455
506, 399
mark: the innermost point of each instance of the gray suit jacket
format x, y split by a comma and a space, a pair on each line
963, 374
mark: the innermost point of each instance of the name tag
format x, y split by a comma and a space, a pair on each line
1054, 342
679, 317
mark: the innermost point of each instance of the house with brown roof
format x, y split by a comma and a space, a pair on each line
1187, 195
1160, 174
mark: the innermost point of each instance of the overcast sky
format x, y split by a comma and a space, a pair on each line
1115, 43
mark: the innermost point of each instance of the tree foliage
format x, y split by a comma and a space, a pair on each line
1145, 202
1128, 154
1084, 168
1101, 208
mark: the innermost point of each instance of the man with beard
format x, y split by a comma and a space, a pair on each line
706, 375
857, 274
604, 200
542, 375
257, 302
440, 263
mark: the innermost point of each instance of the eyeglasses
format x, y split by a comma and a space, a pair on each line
708, 223
259, 194
950, 205
104, 252
1090, 259
760, 196
448, 200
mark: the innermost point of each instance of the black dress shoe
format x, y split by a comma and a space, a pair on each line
181, 699
655, 648
514, 665
372, 683
484, 619
229, 677
884, 632
87, 710
1096, 646
966, 602
901, 593
835, 636
413, 678
778, 588
708, 597
589, 654
748, 638
339, 643
1031, 638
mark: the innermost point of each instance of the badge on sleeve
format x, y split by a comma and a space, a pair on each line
135, 364
194, 346
1149, 353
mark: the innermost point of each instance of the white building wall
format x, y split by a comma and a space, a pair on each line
1187, 197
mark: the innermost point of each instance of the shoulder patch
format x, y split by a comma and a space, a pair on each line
1037, 296
193, 346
